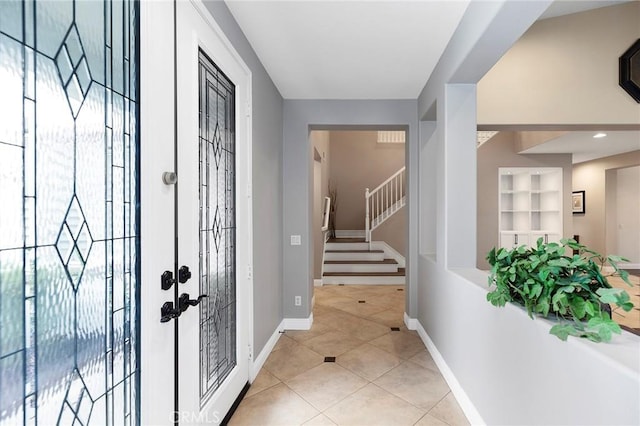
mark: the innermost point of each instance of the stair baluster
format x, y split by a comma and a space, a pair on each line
384, 201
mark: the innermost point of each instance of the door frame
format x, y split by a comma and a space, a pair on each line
157, 218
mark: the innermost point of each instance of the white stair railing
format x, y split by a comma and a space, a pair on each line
384, 201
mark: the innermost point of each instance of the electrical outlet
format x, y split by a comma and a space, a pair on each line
298, 301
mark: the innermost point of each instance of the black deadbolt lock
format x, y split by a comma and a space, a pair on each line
166, 280
184, 274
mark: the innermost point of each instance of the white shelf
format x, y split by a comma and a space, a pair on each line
530, 205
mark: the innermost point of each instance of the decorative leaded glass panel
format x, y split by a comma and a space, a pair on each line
217, 226
68, 216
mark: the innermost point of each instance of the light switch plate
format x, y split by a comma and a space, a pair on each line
296, 240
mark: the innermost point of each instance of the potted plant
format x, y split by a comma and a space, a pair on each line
571, 287
333, 208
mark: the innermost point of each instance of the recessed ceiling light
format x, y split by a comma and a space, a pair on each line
599, 135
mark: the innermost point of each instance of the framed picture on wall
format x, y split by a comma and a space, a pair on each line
577, 202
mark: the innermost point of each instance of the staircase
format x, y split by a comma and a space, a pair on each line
353, 261
361, 260
381, 203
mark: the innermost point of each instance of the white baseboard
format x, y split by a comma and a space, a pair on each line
350, 233
259, 360
285, 324
629, 266
317, 283
461, 396
389, 252
297, 323
411, 323
609, 269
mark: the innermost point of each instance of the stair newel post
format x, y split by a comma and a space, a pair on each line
366, 216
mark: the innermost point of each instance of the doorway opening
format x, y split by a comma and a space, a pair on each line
361, 172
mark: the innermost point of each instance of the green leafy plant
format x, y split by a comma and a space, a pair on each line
547, 281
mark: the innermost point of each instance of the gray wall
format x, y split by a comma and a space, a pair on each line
267, 183
299, 118
499, 151
482, 350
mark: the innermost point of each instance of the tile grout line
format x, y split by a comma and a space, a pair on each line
354, 323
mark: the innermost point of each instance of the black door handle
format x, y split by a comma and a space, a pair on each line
167, 312
184, 302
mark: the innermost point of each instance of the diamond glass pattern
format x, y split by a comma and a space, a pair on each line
64, 358
74, 70
78, 402
217, 227
217, 145
74, 242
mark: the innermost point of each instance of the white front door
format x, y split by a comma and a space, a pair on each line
214, 220
198, 363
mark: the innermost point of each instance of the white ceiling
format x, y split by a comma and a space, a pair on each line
357, 49
585, 148
348, 49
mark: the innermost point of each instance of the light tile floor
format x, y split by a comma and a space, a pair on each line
632, 318
379, 377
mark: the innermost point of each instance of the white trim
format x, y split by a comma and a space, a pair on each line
342, 233
206, 15
325, 215
198, 30
608, 269
411, 323
458, 392
363, 279
156, 120
325, 238
629, 266
347, 246
361, 268
297, 323
389, 252
317, 283
259, 361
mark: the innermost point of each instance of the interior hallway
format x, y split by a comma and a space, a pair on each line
382, 374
